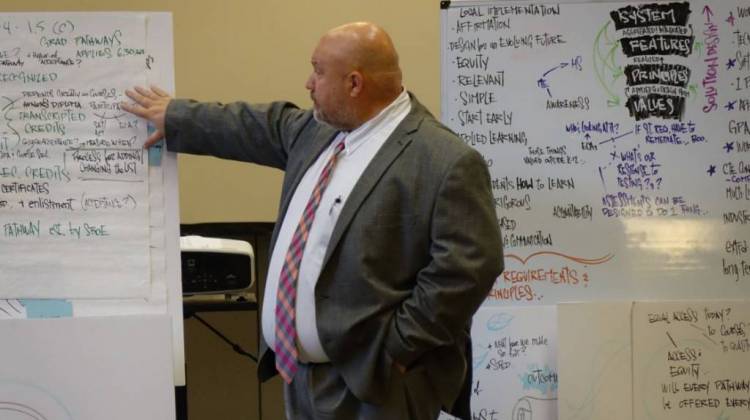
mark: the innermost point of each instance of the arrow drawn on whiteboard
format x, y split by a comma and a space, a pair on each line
575, 64
585, 261
560, 66
617, 137
542, 82
607, 72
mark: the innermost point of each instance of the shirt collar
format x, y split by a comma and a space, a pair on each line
360, 134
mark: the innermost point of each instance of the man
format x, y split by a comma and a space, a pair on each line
386, 243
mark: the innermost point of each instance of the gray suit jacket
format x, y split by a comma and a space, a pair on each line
414, 252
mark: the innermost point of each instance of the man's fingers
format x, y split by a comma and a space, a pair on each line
159, 91
134, 109
138, 98
150, 104
145, 92
153, 139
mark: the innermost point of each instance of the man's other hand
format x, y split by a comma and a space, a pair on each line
150, 104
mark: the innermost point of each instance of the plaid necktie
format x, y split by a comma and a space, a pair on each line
286, 296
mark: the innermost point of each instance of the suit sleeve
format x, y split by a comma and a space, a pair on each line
261, 134
466, 258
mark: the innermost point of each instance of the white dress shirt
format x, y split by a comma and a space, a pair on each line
361, 145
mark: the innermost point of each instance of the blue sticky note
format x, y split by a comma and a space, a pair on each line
154, 152
47, 308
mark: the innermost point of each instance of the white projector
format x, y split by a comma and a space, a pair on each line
216, 265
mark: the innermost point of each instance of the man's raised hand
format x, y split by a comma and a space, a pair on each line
150, 104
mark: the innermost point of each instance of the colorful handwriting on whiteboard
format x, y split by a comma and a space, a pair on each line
651, 35
575, 63
496, 323
580, 260
544, 380
499, 321
518, 285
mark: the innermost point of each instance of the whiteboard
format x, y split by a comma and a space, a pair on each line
595, 358
515, 371
618, 143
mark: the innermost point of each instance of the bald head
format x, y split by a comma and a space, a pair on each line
366, 47
360, 56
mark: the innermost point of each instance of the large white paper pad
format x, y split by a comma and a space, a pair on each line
690, 360
655, 360
74, 208
115, 368
595, 360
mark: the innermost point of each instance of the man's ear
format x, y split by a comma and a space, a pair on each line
356, 81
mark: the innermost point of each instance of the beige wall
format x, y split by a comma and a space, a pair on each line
227, 50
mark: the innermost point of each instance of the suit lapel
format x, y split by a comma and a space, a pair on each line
319, 144
388, 153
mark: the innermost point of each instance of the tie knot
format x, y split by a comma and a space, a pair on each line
339, 146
